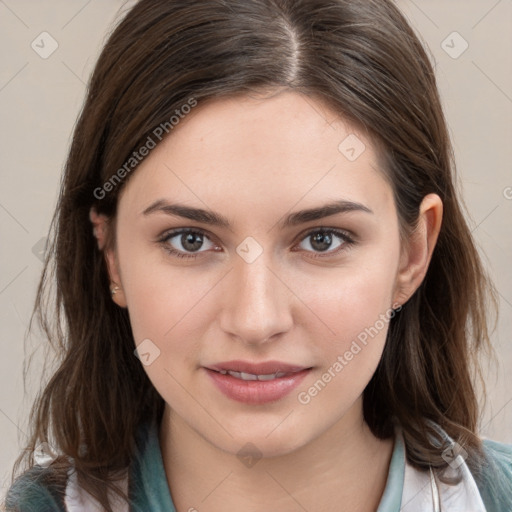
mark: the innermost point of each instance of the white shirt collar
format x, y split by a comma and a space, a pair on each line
423, 492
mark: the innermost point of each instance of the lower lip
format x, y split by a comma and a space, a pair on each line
255, 391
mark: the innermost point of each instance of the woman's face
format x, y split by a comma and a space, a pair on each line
314, 291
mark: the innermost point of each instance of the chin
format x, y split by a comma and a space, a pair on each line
259, 443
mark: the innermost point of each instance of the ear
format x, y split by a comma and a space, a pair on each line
100, 231
417, 251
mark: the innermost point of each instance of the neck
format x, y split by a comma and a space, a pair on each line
344, 469
346, 465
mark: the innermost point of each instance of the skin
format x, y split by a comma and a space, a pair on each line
255, 160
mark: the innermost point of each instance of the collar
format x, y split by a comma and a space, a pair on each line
410, 490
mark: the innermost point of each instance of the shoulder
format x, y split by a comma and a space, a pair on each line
495, 479
35, 491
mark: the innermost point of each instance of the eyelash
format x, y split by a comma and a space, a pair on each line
347, 240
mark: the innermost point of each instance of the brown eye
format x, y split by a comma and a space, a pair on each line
185, 241
191, 241
329, 241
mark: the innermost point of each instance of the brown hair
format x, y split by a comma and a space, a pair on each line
364, 60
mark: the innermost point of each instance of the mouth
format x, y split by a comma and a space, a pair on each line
256, 383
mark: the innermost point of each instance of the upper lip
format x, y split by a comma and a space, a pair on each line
264, 368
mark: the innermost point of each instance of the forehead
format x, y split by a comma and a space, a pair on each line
284, 149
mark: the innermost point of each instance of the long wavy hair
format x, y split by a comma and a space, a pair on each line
365, 61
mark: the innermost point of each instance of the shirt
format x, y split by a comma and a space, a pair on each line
407, 489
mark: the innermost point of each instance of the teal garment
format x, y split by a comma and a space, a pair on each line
392, 497
31, 493
149, 481
495, 485
149, 491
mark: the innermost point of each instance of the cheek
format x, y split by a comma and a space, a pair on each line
348, 300
349, 358
167, 305
354, 306
170, 309
163, 305
157, 296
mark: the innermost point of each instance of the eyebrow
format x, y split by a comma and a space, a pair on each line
292, 219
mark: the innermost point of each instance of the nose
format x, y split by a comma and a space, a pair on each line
256, 303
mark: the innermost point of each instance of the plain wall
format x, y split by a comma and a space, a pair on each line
41, 97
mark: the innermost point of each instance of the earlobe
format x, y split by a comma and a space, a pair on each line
116, 288
118, 295
417, 254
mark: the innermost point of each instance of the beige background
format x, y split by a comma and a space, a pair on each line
40, 99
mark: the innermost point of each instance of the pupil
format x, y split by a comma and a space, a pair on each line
321, 241
194, 239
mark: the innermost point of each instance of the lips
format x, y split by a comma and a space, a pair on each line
256, 383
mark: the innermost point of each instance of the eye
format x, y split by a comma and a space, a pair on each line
326, 240
184, 242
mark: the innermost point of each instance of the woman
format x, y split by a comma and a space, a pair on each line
268, 296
